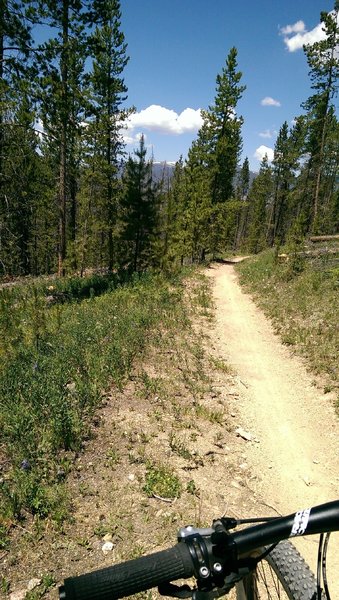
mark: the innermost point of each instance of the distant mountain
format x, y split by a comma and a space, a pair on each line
163, 170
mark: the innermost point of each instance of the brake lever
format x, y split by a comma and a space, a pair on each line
175, 591
184, 591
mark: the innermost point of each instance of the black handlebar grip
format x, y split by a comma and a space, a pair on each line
130, 577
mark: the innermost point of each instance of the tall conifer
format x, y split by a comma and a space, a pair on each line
323, 61
139, 211
108, 93
62, 102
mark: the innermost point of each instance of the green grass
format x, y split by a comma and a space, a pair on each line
162, 481
303, 307
57, 360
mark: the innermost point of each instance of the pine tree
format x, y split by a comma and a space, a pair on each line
243, 185
139, 211
225, 129
62, 102
224, 141
198, 213
298, 201
243, 180
16, 136
174, 223
260, 197
285, 163
108, 93
329, 213
324, 72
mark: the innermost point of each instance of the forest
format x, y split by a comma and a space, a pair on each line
71, 200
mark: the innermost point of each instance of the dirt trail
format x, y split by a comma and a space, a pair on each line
181, 408
296, 457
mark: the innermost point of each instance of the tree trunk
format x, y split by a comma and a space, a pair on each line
63, 139
2, 35
62, 205
323, 135
324, 238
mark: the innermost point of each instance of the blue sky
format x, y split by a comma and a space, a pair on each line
177, 48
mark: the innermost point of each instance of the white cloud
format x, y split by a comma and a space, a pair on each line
266, 134
133, 139
261, 151
268, 101
298, 27
302, 36
163, 120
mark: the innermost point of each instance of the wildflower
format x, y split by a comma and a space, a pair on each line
25, 465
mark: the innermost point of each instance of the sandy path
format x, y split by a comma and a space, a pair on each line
296, 456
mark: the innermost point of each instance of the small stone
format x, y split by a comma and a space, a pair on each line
33, 583
131, 477
19, 595
236, 485
246, 435
107, 547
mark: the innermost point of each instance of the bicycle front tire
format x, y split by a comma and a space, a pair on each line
282, 574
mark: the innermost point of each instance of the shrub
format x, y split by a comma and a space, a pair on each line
161, 481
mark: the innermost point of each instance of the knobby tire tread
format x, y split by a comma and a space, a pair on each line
293, 573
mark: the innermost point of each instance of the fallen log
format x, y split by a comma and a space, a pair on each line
309, 253
324, 238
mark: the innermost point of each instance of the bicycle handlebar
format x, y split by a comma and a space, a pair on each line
130, 577
319, 519
182, 560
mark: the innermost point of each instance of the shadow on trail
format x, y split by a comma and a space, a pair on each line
228, 261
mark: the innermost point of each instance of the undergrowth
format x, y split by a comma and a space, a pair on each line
302, 304
59, 359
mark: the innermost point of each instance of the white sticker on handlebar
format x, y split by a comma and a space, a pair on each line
300, 522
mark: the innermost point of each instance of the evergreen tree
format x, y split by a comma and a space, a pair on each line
108, 92
62, 103
323, 61
329, 210
285, 163
139, 211
260, 197
16, 136
198, 210
243, 185
292, 164
19, 165
174, 223
224, 141
243, 180
225, 129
